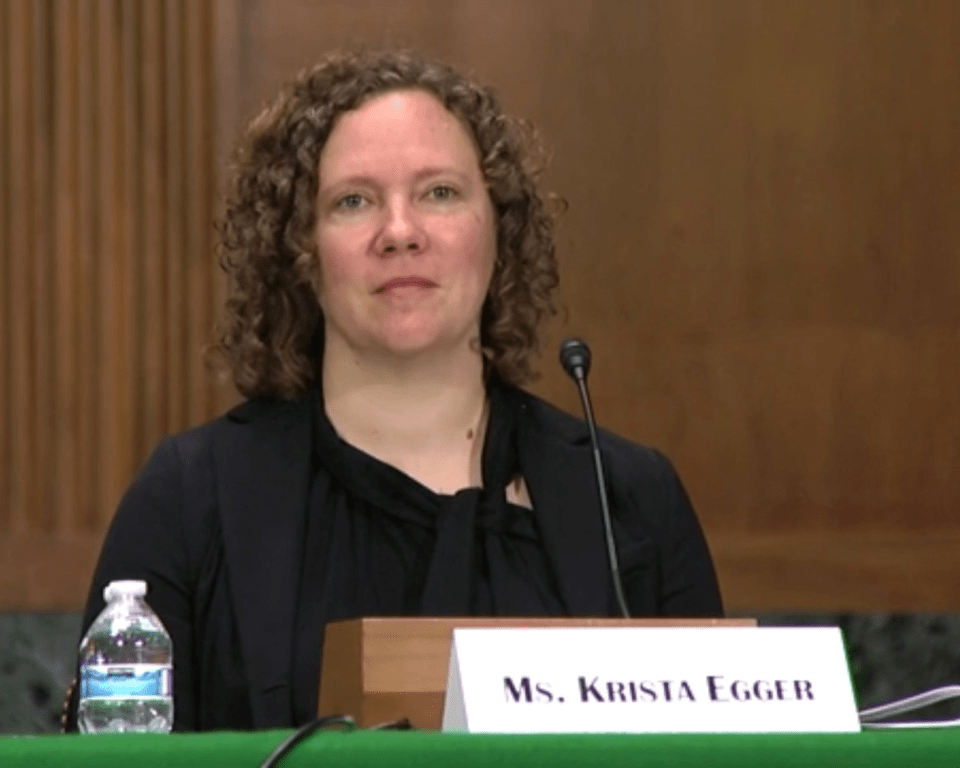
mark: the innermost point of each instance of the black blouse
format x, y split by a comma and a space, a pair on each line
379, 543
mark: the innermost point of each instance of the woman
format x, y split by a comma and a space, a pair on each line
390, 257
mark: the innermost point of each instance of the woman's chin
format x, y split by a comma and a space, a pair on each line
411, 348
411, 345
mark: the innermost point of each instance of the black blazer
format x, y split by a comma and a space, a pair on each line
214, 523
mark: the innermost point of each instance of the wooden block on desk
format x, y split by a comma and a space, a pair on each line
379, 670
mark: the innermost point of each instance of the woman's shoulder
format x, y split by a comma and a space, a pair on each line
539, 414
196, 443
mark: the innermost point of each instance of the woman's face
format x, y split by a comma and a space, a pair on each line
405, 229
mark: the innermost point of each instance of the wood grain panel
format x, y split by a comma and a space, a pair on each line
152, 294
6, 245
47, 573
760, 245
87, 491
114, 263
42, 514
198, 317
130, 277
175, 293
855, 571
23, 478
93, 298
67, 255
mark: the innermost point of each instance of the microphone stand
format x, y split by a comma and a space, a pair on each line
575, 359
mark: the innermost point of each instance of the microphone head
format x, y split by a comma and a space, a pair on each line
575, 358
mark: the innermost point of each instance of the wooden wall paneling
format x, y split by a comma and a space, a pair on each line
97, 293
87, 491
229, 31
66, 256
6, 355
198, 254
177, 205
23, 478
41, 296
293, 34
133, 213
845, 571
820, 355
760, 245
228, 26
114, 266
39, 559
156, 248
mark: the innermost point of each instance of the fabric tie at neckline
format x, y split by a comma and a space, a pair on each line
459, 519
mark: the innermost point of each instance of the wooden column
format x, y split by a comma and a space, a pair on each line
107, 277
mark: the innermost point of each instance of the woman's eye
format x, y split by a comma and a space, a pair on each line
442, 192
351, 201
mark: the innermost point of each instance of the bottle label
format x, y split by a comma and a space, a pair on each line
125, 680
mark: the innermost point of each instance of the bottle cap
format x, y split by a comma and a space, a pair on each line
128, 587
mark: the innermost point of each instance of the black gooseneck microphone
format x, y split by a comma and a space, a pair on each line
575, 359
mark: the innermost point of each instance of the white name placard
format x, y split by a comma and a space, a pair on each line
649, 680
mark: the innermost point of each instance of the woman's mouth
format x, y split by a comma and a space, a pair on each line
406, 282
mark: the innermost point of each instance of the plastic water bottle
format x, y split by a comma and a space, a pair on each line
126, 666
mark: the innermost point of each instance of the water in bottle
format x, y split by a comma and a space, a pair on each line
126, 666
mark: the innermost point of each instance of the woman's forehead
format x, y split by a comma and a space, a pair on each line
409, 126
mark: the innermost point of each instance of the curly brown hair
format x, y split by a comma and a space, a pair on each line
268, 249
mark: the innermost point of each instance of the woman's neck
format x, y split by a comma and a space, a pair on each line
426, 417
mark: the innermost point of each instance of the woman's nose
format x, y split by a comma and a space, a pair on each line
402, 230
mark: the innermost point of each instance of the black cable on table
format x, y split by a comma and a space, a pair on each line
287, 745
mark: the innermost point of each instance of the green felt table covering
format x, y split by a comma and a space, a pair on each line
929, 748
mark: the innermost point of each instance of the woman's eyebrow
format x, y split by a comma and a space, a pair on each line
357, 180
367, 180
424, 173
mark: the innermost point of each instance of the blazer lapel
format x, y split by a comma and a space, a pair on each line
557, 466
264, 474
